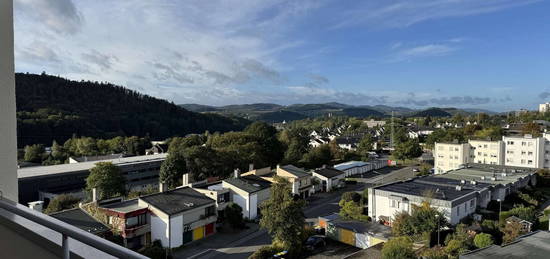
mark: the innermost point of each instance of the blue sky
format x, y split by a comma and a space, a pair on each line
492, 54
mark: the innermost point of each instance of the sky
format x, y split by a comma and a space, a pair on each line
490, 54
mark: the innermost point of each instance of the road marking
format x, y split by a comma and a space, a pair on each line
205, 251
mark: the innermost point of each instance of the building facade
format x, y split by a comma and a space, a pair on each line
486, 152
450, 156
544, 107
524, 151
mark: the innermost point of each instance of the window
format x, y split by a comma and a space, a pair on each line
530, 153
136, 221
392, 203
529, 162
224, 197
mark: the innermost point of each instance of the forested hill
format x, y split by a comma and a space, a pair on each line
50, 107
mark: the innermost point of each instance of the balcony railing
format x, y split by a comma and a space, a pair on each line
67, 231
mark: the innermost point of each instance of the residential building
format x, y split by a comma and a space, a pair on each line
217, 192
486, 152
502, 179
132, 220
248, 191
298, 178
355, 233
180, 216
348, 143
544, 107
158, 147
372, 123
46, 182
453, 198
329, 178
450, 156
535, 245
524, 151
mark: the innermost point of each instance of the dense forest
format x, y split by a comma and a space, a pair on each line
53, 108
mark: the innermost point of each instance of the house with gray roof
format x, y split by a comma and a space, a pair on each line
455, 199
81, 219
248, 191
329, 178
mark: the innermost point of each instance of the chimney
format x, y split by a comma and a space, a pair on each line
236, 173
250, 167
162, 187
185, 179
95, 195
36, 205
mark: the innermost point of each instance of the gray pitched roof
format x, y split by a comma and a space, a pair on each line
294, 170
80, 219
328, 172
177, 200
249, 183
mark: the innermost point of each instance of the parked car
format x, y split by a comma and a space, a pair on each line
416, 170
315, 242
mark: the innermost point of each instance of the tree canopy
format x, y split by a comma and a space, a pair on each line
108, 180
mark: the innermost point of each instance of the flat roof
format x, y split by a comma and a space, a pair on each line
36, 171
249, 183
124, 206
442, 188
476, 174
535, 245
177, 200
328, 172
350, 164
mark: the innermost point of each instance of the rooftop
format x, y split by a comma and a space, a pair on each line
249, 183
177, 200
294, 170
96, 158
37, 171
80, 219
443, 188
350, 164
328, 172
373, 228
484, 175
535, 245
124, 206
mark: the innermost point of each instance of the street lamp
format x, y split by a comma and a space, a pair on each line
499, 206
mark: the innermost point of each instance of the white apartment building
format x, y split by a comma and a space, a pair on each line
487, 152
450, 156
544, 107
524, 151
453, 198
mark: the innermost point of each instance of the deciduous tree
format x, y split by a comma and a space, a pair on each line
108, 179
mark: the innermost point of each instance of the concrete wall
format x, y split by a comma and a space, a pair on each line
524, 152
8, 141
487, 152
176, 231
159, 229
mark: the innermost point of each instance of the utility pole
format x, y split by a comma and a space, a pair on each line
392, 131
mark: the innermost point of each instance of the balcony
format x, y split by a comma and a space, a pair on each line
30, 234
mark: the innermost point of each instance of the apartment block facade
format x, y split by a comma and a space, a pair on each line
514, 151
450, 156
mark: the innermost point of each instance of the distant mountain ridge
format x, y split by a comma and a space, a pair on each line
277, 113
53, 108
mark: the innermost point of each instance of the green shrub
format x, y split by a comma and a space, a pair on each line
482, 240
61, 202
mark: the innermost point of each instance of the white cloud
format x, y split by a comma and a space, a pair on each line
403, 13
61, 16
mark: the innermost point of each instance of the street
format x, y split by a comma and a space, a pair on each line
320, 204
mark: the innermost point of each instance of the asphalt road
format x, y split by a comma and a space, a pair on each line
323, 204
